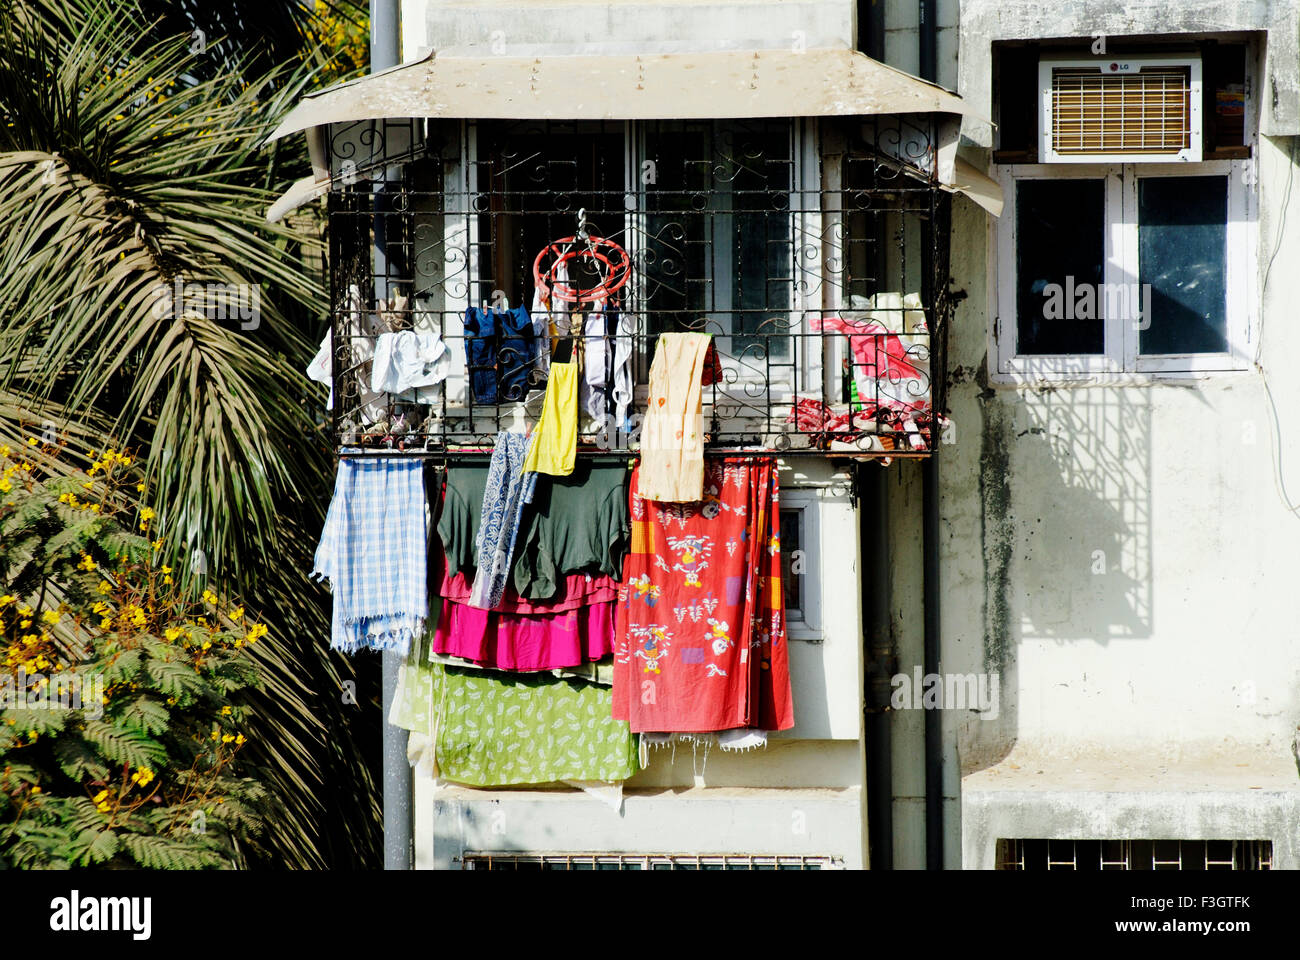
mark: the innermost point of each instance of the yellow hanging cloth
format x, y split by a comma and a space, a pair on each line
555, 443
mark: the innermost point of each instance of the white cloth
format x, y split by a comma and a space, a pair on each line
409, 360
743, 738
360, 332
623, 387
608, 793
544, 315
591, 394
602, 374
321, 368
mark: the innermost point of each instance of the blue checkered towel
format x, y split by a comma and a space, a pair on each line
374, 552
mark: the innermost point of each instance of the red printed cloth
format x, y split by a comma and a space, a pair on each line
878, 353
700, 640
809, 415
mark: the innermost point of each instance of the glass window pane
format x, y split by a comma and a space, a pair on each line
1060, 254
717, 250
791, 582
1182, 253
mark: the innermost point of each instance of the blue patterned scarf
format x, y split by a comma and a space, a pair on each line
508, 489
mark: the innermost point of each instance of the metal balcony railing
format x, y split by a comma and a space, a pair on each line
816, 256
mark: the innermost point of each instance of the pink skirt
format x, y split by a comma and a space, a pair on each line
576, 590
526, 642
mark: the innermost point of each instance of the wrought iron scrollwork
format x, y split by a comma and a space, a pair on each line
727, 234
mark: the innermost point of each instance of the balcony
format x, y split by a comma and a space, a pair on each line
815, 253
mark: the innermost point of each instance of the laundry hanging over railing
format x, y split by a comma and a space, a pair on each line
600, 490
606, 614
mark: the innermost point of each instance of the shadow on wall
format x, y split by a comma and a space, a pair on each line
1067, 483
1065, 488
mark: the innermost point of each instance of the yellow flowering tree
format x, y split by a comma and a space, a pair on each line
133, 162
119, 740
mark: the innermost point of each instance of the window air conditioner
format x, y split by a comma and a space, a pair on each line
1121, 110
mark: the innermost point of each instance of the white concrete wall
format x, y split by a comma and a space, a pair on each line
1187, 649
453, 821
520, 27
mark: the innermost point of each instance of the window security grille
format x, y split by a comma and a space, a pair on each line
597, 861
749, 230
1086, 855
1141, 111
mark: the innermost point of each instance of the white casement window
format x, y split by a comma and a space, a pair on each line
1126, 269
1127, 248
801, 562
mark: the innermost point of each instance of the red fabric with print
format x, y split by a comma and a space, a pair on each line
700, 640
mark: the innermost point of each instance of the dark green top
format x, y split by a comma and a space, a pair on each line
458, 525
575, 524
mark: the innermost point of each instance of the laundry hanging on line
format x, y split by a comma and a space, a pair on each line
554, 446
492, 731
701, 640
499, 353
507, 490
556, 609
606, 391
672, 433
374, 552
417, 361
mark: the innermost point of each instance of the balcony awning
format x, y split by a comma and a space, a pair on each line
980, 187
723, 84
665, 86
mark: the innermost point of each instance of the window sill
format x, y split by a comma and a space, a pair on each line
1148, 378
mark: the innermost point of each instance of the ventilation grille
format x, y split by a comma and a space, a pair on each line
602, 861
1144, 113
1085, 855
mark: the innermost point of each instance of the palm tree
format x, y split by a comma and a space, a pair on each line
131, 170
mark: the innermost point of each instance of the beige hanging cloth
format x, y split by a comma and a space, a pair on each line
672, 434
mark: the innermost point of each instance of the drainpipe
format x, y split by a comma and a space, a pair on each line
933, 718
882, 660
928, 31
871, 28
397, 782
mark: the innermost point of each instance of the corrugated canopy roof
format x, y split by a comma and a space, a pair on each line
712, 85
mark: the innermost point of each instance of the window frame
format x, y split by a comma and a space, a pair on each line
1121, 358
806, 247
806, 625
803, 263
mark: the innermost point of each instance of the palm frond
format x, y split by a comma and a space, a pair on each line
126, 167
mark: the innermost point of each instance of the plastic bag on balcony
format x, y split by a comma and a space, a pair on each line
889, 346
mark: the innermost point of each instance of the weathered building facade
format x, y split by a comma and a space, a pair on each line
1100, 556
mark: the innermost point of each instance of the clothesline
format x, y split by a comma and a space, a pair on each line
486, 453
